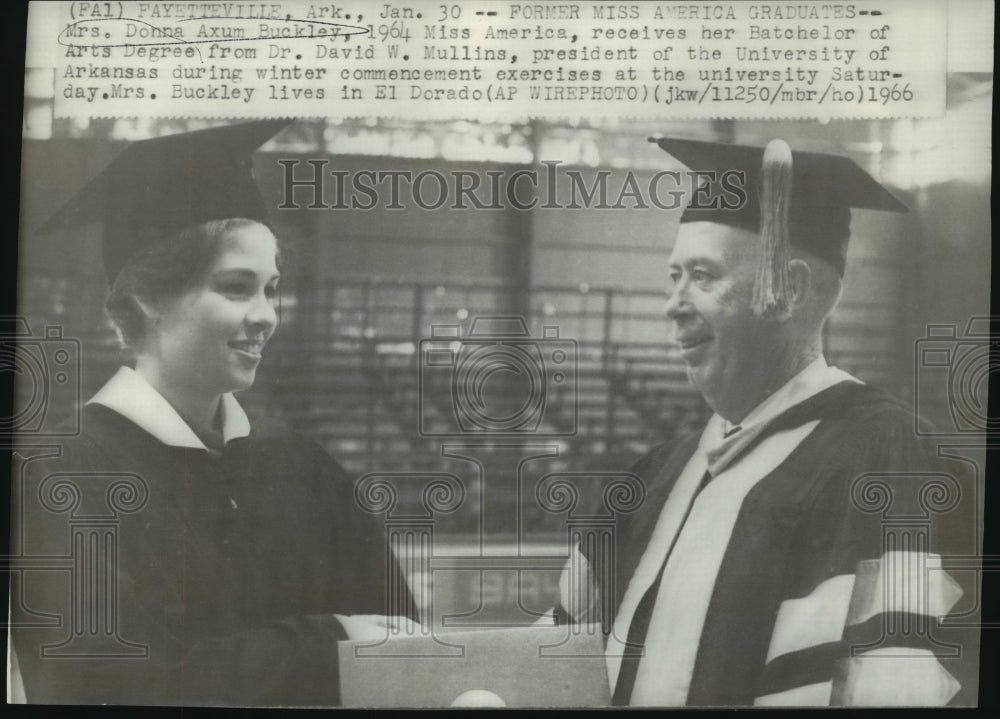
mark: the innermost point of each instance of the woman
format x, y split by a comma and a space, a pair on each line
235, 544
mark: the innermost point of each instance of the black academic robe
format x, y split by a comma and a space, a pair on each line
227, 574
803, 524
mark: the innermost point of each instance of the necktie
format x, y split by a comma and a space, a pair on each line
637, 630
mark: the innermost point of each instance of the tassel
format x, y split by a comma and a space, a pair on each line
770, 296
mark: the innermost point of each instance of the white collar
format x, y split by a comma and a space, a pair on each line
813, 379
130, 395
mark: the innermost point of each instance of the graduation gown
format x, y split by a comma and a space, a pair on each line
812, 590
227, 576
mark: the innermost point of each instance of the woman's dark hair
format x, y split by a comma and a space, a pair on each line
163, 271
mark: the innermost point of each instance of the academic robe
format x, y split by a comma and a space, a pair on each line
228, 574
813, 589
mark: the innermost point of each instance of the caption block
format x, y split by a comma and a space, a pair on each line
501, 60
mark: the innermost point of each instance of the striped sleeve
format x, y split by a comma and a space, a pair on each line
892, 657
862, 624
864, 639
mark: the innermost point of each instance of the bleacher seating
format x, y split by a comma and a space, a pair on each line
345, 369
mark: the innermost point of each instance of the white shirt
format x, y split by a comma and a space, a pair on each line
130, 395
720, 450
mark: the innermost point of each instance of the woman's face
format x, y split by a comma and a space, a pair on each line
209, 338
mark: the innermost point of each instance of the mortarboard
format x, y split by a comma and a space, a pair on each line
801, 198
159, 186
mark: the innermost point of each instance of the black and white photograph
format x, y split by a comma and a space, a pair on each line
502, 355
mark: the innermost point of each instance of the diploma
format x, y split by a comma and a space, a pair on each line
537, 666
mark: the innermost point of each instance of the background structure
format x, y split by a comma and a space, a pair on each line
362, 289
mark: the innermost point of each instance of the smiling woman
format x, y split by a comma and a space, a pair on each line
233, 544
223, 317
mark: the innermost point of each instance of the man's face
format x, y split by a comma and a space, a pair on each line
727, 348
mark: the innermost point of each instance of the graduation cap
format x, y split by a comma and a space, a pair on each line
162, 185
792, 198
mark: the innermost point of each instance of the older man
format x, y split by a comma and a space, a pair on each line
760, 569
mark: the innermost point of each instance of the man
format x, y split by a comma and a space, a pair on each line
764, 567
